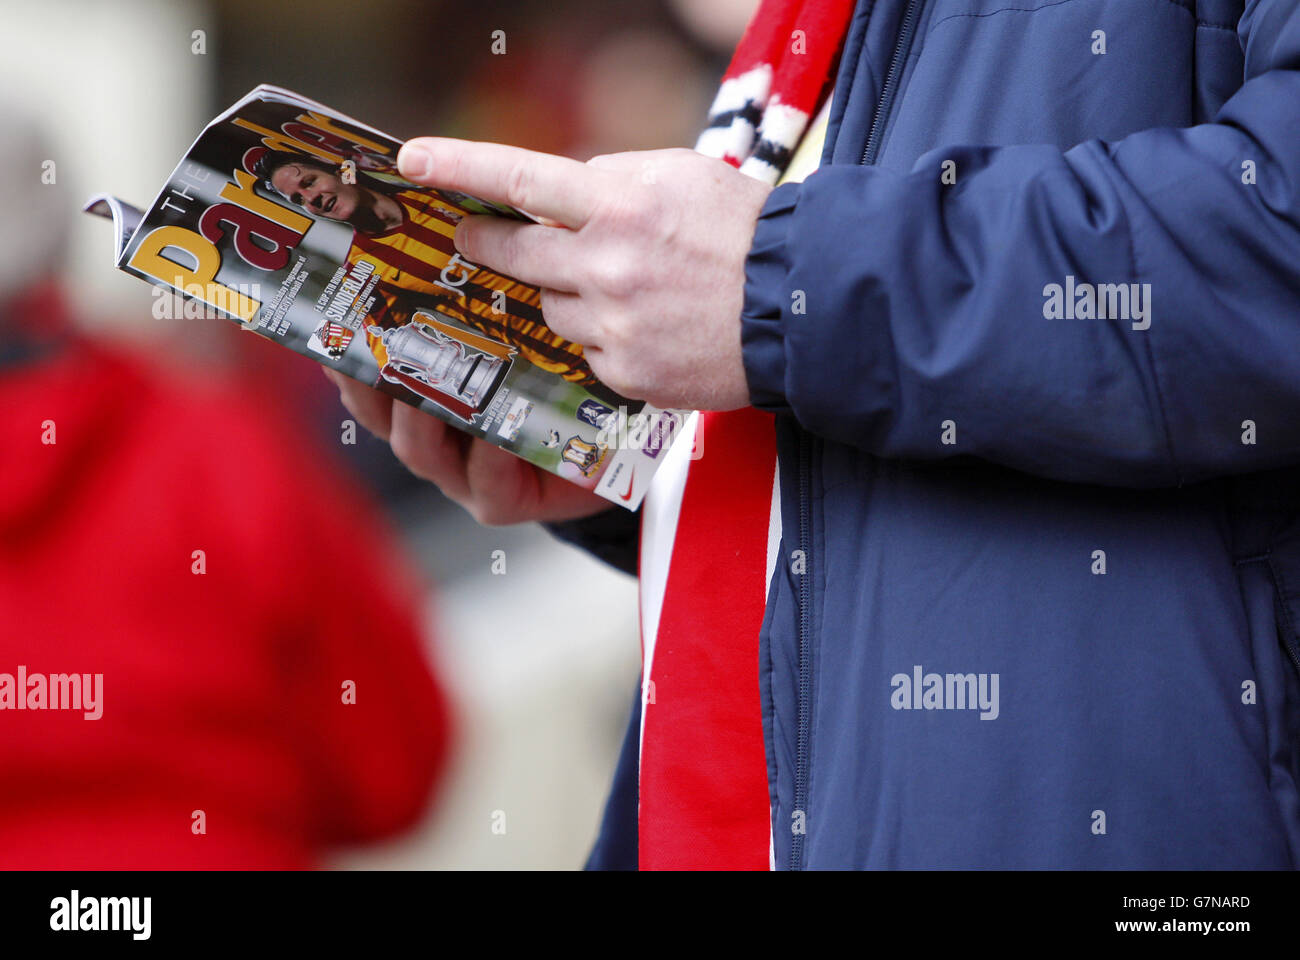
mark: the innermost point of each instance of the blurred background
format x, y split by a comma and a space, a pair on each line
536, 666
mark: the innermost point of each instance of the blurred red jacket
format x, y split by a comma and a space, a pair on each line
223, 691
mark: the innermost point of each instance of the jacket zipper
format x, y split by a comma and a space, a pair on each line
1290, 646
902, 46
805, 664
1289, 639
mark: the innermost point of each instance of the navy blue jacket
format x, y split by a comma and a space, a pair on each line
1032, 336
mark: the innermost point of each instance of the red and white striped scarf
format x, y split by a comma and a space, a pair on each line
703, 788
776, 80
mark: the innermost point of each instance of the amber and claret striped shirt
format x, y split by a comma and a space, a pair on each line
412, 256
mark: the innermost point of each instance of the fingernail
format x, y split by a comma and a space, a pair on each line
414, 163
461, 240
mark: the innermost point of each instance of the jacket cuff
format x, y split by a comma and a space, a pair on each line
613, 535
762, 320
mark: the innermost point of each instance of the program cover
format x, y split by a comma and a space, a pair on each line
291, 218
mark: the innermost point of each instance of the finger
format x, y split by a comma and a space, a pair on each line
610, 372
372, 409
539, 183
568, 315
542, 256
506, 488
510, 490
431, 450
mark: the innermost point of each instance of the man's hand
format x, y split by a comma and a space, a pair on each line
642, 263
496, 487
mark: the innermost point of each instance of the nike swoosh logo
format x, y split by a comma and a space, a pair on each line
631, 478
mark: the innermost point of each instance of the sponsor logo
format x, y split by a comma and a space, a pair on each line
660, 431
593, 412
514, 419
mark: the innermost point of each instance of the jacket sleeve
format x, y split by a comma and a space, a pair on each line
927, 308
614, 536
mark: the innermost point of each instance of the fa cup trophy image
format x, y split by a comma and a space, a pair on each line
435, 365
